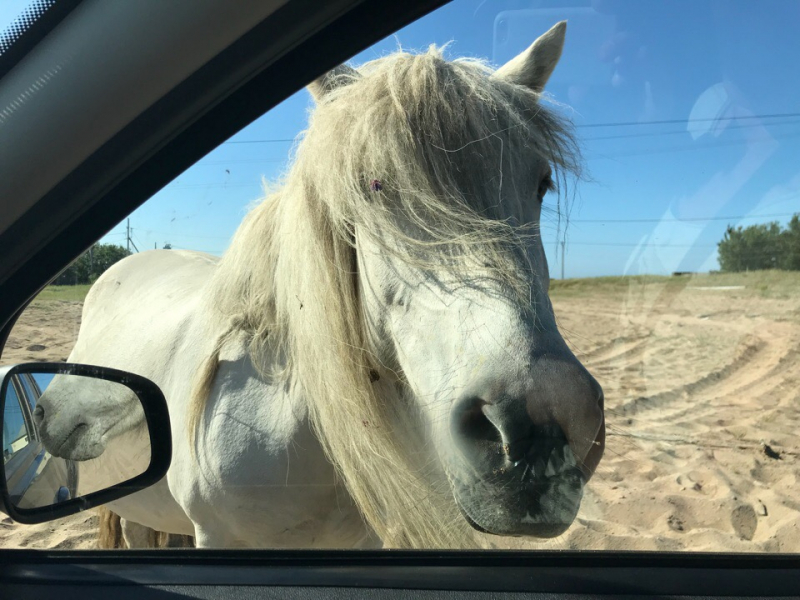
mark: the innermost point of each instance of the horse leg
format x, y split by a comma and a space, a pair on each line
215, 537
109, 534
138, 536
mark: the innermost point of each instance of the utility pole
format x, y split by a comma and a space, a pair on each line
562, 259
129, 240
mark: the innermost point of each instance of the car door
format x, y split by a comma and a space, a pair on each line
22, 451
35, 477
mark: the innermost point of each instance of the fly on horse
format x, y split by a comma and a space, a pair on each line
375, 358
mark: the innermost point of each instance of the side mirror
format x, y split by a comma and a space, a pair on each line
77, 436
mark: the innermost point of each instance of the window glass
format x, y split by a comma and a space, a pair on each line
15, 429
42, 380
10, 13
31, 394
488, 328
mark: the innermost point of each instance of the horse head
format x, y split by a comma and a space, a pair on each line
77, 417
450, 164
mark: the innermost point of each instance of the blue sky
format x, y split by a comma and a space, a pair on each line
680, 107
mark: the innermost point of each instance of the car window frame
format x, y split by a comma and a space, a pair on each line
97, 572
25, 410
32, 392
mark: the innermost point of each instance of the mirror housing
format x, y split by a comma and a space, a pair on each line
156, 417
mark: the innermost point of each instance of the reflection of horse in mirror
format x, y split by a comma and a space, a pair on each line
376, 354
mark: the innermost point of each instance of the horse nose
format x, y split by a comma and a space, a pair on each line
558, 403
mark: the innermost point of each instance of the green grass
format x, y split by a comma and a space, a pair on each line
607, 285
769, 284
69, 293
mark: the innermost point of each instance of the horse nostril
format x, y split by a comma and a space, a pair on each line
38, 413
472, 424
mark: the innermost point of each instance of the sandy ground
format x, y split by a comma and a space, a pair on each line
696, 381
701, 385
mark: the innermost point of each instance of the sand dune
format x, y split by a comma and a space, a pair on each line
701, 383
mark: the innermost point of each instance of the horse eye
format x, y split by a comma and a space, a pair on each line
544, 186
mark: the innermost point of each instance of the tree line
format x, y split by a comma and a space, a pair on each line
753, 248
765, 246
91, 264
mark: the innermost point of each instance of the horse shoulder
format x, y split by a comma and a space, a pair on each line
250, 422
261, 477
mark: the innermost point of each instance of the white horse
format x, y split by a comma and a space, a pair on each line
375, 357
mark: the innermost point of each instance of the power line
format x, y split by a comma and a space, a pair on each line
568, 244
595, 156
590, 125
694, 219
691, 219
706, 146
636, 245
636, 153
699, 146
189, 235
682, 121
591, 139
678, 132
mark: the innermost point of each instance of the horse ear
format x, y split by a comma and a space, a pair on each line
534, 66
336, 77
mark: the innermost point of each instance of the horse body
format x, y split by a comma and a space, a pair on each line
258, 449
375, 357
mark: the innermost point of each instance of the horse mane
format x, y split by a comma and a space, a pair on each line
444, 141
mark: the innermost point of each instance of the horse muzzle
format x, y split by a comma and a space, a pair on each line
536, 493
522, 455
